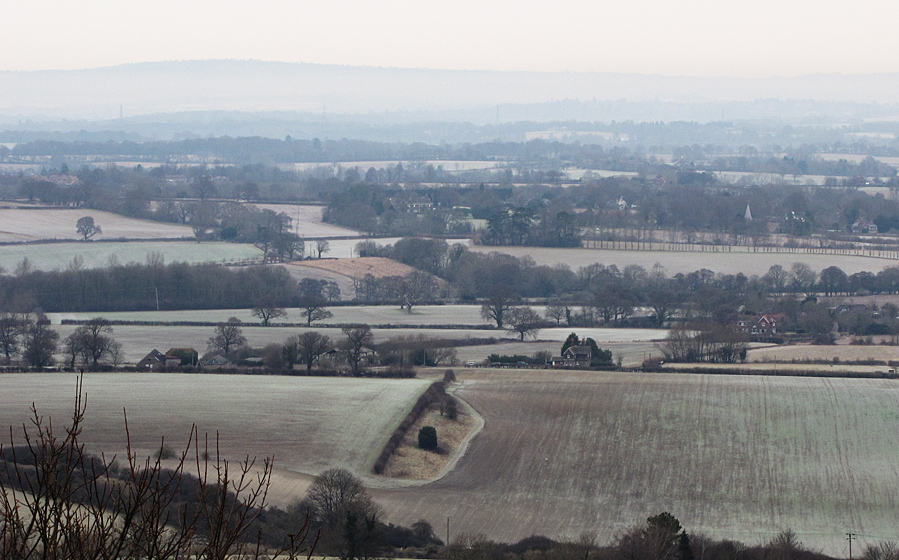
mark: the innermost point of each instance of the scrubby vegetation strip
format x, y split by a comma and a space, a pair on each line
435, 393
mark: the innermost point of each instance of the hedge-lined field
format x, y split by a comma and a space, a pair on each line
30, 224
53, 256
307, 424
686, 262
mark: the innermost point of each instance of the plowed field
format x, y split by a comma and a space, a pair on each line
562, 453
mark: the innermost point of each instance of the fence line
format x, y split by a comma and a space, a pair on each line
665, 246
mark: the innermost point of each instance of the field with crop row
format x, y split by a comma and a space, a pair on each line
735, 457
674, 262
52, 256
307, 424
30, 224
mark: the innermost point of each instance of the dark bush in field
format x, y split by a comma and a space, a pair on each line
427, 438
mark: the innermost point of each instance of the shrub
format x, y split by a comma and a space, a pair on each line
449, 407
427, 438
166, 452
449, 376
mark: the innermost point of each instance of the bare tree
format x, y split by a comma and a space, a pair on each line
40, 344
322, 246
499, 299
524, 321
87, 228
312, 300
92, 341
556, 312
310, 346
12, 327
332, 291
358, 337
346, 513
228, 336
56, 501
203, 217
116, 353
267, 309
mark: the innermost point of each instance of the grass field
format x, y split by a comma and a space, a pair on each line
674, 262
51, 256
307, 424
30, 224
735, 457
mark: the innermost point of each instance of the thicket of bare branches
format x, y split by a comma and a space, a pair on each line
59, 502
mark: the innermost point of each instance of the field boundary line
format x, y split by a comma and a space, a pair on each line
462, 449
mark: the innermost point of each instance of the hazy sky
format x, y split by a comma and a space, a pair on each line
751, 38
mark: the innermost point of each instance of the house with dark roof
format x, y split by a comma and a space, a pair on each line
574, 356
156, 361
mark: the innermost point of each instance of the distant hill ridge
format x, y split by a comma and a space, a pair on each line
249, 85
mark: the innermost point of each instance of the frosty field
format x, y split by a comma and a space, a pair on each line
560, 452
30, 224
138, 340
307, 424
307, 220
733, 457
674, 261
52, 256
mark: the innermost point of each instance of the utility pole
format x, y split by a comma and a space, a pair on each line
849, 537
447, 530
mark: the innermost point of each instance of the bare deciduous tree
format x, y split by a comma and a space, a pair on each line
87, 228
357, 338
228, 336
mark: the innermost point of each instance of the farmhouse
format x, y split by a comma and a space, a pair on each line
216, 360
574, 356
156, 360
760, 326
863, 226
